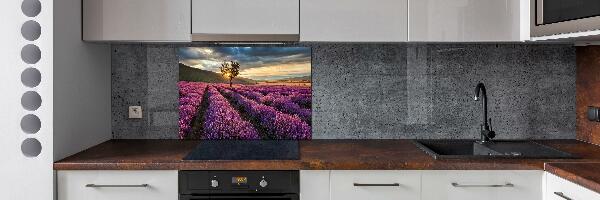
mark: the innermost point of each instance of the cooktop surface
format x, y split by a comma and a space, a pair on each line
245, 150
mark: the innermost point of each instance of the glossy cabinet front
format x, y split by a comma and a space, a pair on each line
560, 189
117, 185
468, 20
241, 18
482, 184
136, 20
421, 184
375, 184
354, 20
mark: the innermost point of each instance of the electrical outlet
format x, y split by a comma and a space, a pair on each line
135, 112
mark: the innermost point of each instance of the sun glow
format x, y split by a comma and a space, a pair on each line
289, 70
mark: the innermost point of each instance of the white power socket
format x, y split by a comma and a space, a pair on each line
135, 112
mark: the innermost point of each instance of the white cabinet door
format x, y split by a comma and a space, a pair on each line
117, 185
240, 18
468, 20
375, 185
314, 185
353, 20
136, 20
482, 185
560, 189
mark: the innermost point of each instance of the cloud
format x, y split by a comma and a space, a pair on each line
210, 58
274, 72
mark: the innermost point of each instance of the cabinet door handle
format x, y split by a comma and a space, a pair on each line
376, 184
562, 195
492, 185
115, 186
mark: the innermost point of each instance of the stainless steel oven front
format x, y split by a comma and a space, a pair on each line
552, 17
238, 185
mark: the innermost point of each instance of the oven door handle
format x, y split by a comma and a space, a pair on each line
539, 12
241, 196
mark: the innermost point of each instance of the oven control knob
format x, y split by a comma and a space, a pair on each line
263, 183
214, 183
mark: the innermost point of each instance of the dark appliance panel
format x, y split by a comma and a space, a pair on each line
554, 11
241, 197
232, 185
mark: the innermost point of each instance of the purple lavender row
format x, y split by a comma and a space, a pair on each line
281, 103
304, 100
223, 122
278, 124
301, 98
286, 90
285, 104
298, 98
190, 97
256, 96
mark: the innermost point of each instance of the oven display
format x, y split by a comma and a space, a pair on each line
239, 180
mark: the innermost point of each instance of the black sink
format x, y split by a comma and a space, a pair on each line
470, 149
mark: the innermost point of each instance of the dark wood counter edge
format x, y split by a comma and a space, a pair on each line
341, 155
587, 174
265, 165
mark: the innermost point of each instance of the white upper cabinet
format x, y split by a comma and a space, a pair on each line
469, 20
307, 20
136, 20
354, 20
245, 20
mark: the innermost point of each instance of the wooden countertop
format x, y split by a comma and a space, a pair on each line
584, 174
315, 155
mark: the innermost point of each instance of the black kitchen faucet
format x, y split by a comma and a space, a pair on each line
487, 134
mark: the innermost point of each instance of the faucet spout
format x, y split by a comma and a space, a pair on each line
486, 133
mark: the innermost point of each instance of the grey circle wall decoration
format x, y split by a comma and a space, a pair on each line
31, 54
31, 77
31, 8
31, 124
31, 100
31, 147
31, 30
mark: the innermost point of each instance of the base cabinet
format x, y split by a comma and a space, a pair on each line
478, 185
314, 184
341, 185
375, 185
117, 185
560, 189
421, 185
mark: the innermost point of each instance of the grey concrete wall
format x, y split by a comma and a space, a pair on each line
372, 91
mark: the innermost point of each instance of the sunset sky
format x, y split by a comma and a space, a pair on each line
257, 63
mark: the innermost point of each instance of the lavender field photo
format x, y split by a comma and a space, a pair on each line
246, 93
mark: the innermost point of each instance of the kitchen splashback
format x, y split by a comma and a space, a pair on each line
245, 93
376, 91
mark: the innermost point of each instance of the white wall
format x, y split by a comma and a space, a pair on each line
82, 84
21, 177
82, 109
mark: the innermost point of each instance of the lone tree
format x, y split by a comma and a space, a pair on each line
230, 70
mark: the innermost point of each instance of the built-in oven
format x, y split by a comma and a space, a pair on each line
552, 17
237, 185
